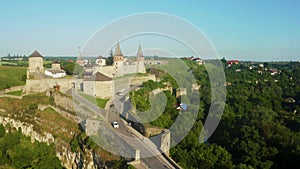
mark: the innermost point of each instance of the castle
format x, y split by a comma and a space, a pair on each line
121, 66
99, 84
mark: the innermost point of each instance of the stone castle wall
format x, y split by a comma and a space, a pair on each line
13, 88
42, 85
129, 69
104, 89
100, 89
139, 80
134, 68
106, 70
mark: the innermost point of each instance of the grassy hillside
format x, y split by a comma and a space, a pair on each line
17, 151
65, 131
44, 120
12, 76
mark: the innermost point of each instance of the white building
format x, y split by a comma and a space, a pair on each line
100, 61
55, 71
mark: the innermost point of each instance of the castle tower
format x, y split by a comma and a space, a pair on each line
56, 65
80, 60
118, 60
36, 65
140, 60
139, 55
118, 56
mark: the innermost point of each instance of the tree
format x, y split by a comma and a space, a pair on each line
78, 70
109, 60
17, 151
69, 68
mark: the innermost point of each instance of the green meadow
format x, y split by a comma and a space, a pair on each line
12, 76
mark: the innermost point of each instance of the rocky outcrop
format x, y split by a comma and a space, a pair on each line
85, 159
27, 130
63, 101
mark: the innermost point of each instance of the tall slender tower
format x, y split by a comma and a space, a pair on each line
139, 55
80, 60
140, 60
118, 60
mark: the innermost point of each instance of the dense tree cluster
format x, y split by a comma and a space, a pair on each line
260, 126
17, 151
159, 110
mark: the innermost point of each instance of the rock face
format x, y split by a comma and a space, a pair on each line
63, 101
27, 130
86, 159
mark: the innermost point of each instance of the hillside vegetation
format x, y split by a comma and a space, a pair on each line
66, 132
17, 151
260, 126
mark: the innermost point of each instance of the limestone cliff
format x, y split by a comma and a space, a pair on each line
86, 159
52, 124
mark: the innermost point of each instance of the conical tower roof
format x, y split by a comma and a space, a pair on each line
140, 52
35, 54
118, 51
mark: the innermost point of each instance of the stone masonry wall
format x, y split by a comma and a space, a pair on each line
42, 85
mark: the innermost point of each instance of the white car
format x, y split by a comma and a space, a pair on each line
115, 124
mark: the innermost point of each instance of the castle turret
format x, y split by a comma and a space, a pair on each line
80, 60
35, 65
118, 56
56, 65
140, 61
118, 61
139, 55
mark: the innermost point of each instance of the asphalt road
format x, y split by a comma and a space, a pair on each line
149, 153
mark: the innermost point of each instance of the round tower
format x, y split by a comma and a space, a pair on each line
35, 65
56, 65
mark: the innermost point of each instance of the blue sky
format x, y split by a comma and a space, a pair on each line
245, 30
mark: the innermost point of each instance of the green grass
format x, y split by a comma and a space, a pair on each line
16, 93
100, 102
11, 76
51, 121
